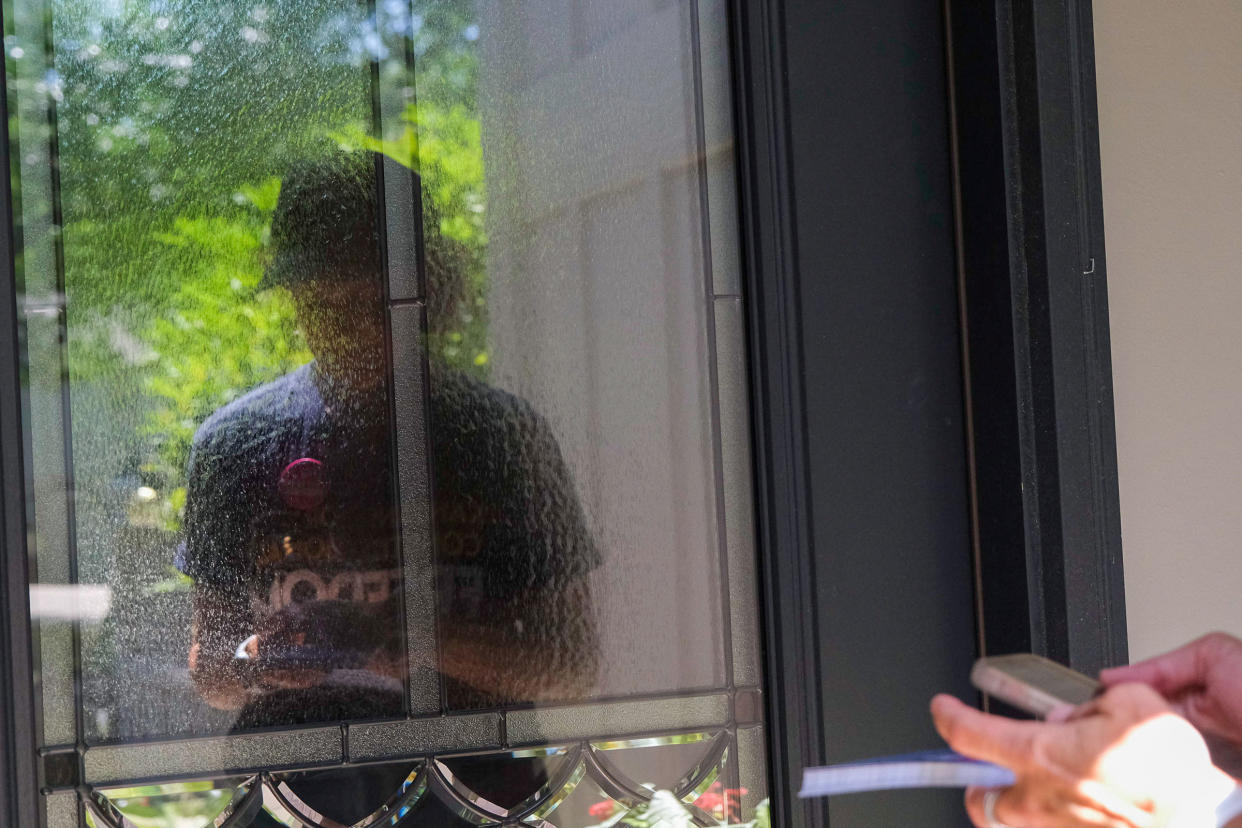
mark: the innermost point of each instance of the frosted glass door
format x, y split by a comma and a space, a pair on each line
386, 412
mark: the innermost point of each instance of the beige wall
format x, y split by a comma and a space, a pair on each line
1170, 100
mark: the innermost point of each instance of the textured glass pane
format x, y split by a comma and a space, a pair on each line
384, 367
383, 740
409, 391
283, 748
752, 766
62, 810
616, 718
736, 487
42, 308
187, 215
722, 215
595, 290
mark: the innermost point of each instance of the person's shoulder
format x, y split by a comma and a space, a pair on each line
257, 412
463, 396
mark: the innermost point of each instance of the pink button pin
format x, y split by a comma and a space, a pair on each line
302, 485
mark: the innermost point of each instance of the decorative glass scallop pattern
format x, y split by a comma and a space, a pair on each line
573, 786
202, 804
352, 796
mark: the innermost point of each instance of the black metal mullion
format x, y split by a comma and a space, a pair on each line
786, 569
19, 798
708, 297
66, 405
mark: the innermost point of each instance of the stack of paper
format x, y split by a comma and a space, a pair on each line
927, 769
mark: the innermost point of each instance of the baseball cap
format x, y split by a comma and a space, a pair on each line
326, 221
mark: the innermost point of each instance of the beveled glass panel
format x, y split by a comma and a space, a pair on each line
507, 784
582, 805
181, 804
665, 762
348, 796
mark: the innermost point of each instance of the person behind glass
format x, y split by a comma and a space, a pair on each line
1159, 747
290, 520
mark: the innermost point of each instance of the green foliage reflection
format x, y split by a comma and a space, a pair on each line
172, 123
179, 805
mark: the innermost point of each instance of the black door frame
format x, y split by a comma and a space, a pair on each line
1041, 368
1035, 340
19, 784
1034, 317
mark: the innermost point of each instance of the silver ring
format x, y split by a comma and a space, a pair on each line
989, 808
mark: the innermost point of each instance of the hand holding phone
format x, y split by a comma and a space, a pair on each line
1032, 683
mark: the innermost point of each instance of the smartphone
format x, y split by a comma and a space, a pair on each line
1032, 683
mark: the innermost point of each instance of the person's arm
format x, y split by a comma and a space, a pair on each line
213, 535
1125, 759
537, 646
219, 625
222, 621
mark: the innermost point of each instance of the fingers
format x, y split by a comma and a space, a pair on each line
1171, 672
1012, 809
1063, 713
992, 738
977, 811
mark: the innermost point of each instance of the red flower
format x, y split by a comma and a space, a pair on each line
709, 801
726, 805
603, 810
733, 803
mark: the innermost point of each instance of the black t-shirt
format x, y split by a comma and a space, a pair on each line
291, 514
